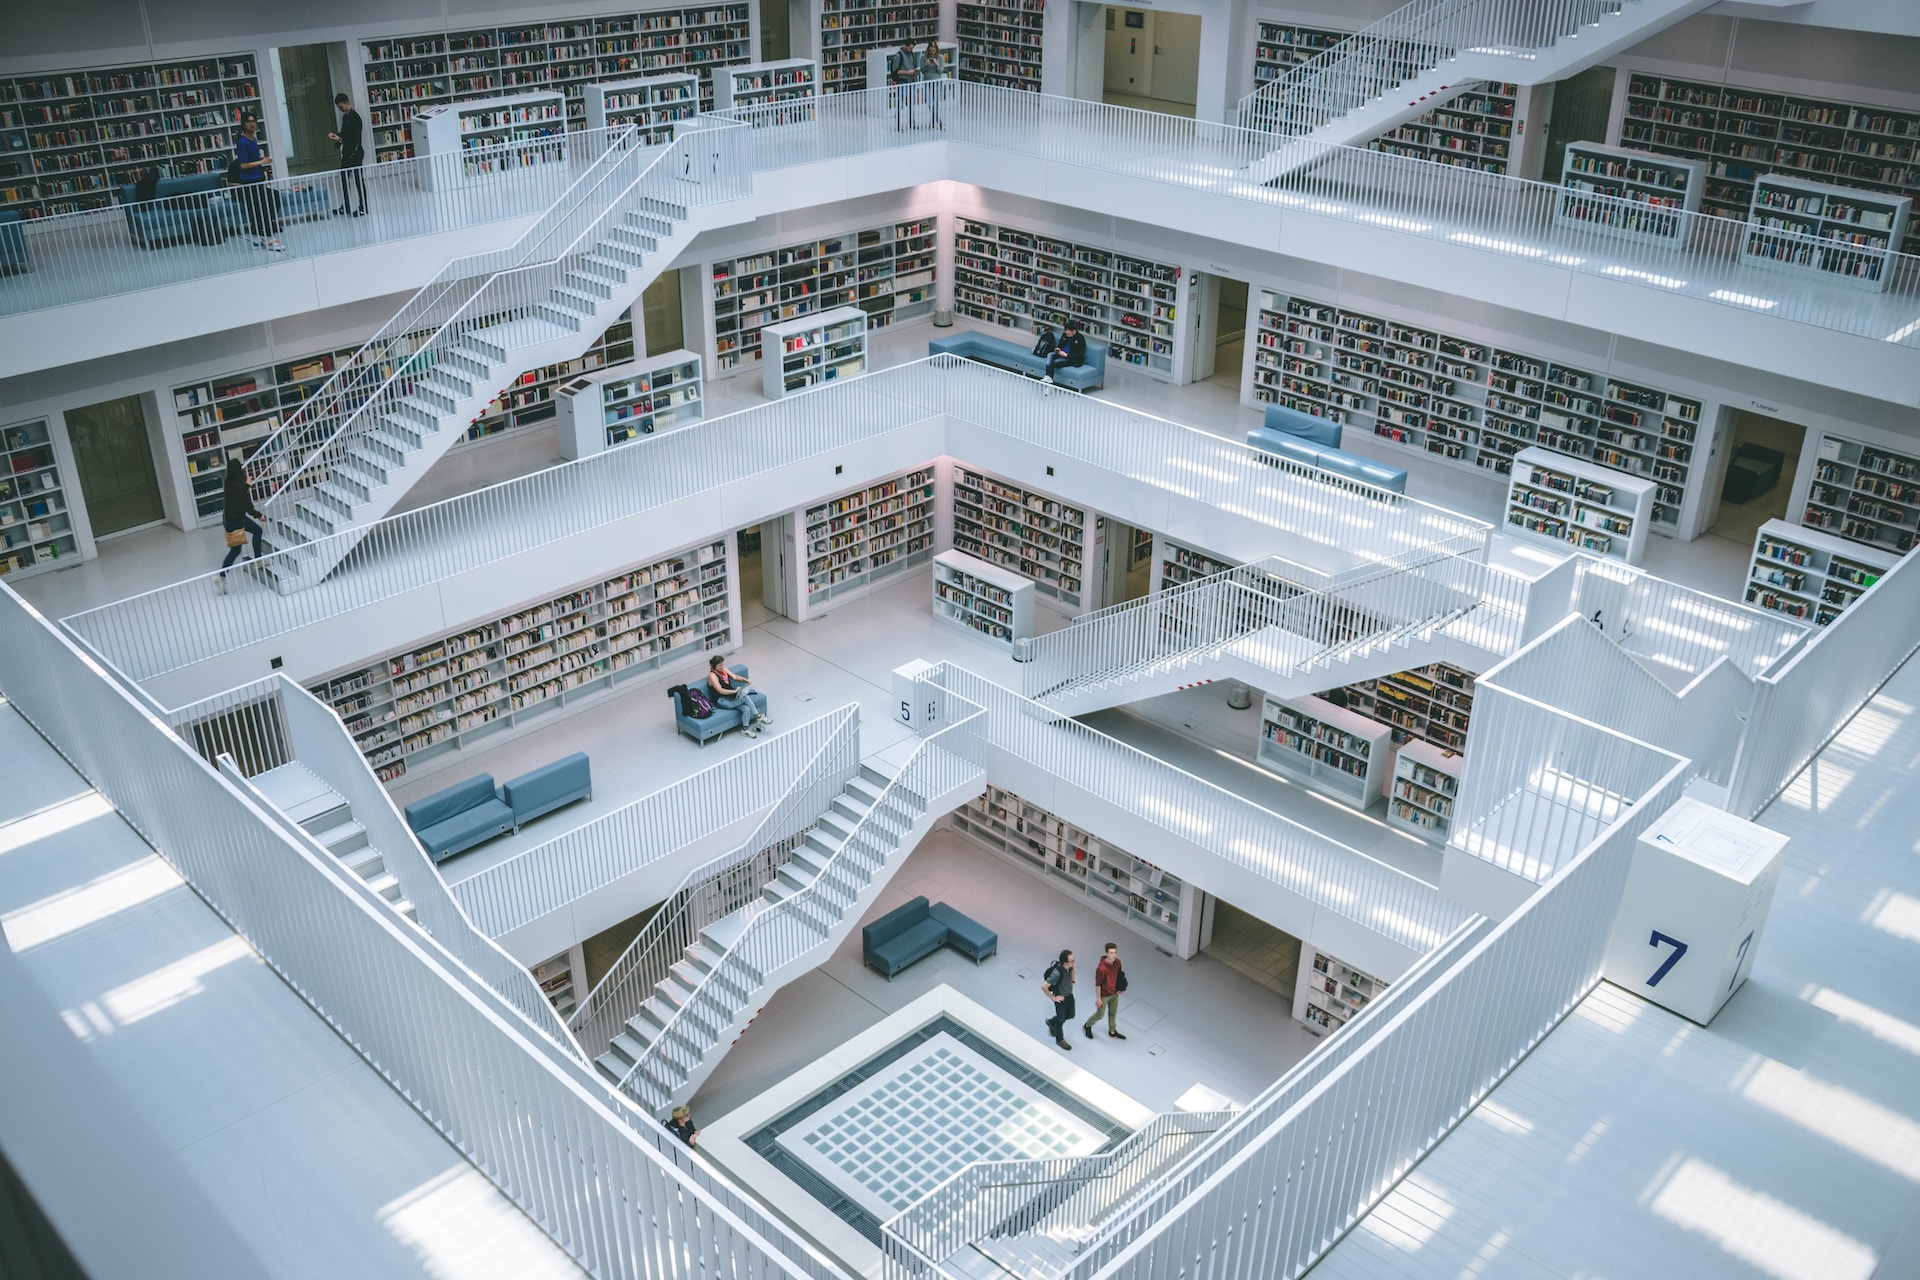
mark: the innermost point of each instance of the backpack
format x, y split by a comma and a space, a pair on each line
1048, 341
1056, 979
699, 706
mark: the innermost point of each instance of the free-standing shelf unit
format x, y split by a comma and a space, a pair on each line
797, 354
1426, 785
652, 104
1629, 193
1152, 902
628, 401
35, 527
1561, 499
868, 535
783, 92
1816, 229
1033, 533
1810, 575
1433, 703
1329, 748
1865, 493
490, 135
1330, 991
978, 597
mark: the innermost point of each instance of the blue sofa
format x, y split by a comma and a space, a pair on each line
704, 730
917, 930
1002, 354
471, 812
13, 243
1315, 442
202, 208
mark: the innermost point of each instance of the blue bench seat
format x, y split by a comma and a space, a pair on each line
1003, 354
1314, 441
459, 817
916, 930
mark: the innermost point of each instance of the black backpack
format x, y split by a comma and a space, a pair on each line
1048, 341
1056, 979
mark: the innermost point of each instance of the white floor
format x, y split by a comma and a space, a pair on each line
312, 1157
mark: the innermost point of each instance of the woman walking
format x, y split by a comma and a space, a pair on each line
238, 516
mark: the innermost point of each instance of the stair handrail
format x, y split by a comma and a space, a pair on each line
778, 934
298, 429
990, 1199
720, 885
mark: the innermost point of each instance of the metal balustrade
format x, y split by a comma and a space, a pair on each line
96, 253
1676, 631
725, 884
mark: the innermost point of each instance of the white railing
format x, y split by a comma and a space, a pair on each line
272, 722
102, 253
619, 1200
1799, 705
178, 625
546, 877
1677, 631
1380, 898
732, 882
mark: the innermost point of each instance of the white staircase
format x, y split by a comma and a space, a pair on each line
1425, 53
325, 815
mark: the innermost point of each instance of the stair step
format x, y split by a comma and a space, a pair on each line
466, 363
630, 1044
574, 299
611, 1069
348, 837
342, 491
303, 527
364, 862
363, 470
557, 315
602, 268
811, 858
387, 885
405, 907
587, 284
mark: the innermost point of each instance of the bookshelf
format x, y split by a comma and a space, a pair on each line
1133, 892
407, 73
1810, 575
479, 131
596, 412
560, 978
790, 86
1865, 493
511, 672
68, 139
1330, 991
798, 354
850, 30
36, 529
1466, 403
1431, 704
1001, 42
982, 599
1474, 130
1033, 533
1280, 46
652, 104
1181, 564
1425, 786
1331, 749
867, 535
1560, 499
528, 401
886, 270
1629, 193
1832, 233
1023, 279
1741, 134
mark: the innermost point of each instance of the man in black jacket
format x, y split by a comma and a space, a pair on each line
1071, 351
353, 153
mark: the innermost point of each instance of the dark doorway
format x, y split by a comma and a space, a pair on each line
1763, 454
307, 80
1229, 331
115, 461
1581, 106
776, 38
660, 313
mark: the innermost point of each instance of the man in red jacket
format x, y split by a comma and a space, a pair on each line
1109, 980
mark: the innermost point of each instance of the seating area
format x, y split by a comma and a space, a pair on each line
1002, 354
199, 208
475, 811
916, 930
13, 243
704, 729
1755, 470
1315, 441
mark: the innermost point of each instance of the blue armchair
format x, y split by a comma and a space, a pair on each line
704, 729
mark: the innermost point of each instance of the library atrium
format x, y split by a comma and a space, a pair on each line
960, 640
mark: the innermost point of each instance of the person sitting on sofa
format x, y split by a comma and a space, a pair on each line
730, 691
1072, 350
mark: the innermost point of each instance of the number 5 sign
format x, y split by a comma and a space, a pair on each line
1695, 904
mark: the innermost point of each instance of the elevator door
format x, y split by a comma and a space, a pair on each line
115, 462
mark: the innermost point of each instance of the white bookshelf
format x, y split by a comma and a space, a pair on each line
1638, 194
1865, 493
1001, 42
1563, 500
1329, 748
601, 410
36, 528
1023, 279
1810, 575
1841, 234
983, 599
866, 536
790, 86
652, 104
1033, 533
798, 354
1330, 991
512, 672
1133, 892
1180, 564
562, 978
1280, 46
1433, 703
1424, 790
481, 131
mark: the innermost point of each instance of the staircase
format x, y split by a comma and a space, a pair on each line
1426, 53
354, 449
322, 813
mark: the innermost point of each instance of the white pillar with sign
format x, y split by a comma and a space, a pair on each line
912, 707
1695, 904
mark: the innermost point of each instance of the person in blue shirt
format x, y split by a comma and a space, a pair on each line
260, 201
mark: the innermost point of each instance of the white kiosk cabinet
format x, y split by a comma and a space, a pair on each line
613, 406
986, 600
482, 132
652, 104
1695, 904
1629, 193
1595, 508
797, 354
